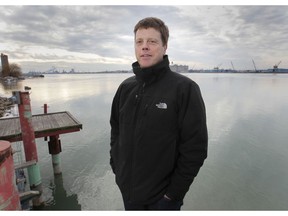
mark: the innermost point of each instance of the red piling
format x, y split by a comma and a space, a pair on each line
28, 136
30, 149
9, 196
45, 108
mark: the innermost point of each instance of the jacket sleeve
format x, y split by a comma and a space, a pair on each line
114, 123
193, 136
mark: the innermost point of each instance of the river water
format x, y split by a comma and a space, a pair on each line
246, 168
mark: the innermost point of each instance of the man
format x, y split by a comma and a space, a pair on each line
158, 127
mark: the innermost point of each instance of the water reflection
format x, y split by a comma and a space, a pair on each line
245, 169
60, 200
247, 158
7, 88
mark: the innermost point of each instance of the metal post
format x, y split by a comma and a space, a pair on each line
29, 143
45, 108
54, 146
45, 112
9, 196
54, 149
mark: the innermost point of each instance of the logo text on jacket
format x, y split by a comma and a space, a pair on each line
161, 105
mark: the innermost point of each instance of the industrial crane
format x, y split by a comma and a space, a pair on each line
232, 66
254, 65
217, 67
276, 65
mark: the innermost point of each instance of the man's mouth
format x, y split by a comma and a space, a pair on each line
145, 55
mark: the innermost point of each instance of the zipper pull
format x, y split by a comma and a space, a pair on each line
136, 99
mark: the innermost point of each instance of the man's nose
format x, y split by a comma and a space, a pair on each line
145, 45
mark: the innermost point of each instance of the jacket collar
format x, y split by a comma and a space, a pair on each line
153, 73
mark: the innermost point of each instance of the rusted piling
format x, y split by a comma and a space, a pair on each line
28, 137
9, 196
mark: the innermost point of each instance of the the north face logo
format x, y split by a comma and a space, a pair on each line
162, 105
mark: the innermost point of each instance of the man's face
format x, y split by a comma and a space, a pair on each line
149, 49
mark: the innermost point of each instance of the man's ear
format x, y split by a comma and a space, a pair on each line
165, 48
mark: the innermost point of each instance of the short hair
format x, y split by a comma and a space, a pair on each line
157, 24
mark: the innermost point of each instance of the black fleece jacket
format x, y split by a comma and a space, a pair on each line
158, 134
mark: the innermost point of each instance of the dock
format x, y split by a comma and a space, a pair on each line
50, 124
27, 128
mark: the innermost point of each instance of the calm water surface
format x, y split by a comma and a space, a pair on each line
246, 168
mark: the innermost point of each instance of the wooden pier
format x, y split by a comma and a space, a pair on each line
50, 124
26, 128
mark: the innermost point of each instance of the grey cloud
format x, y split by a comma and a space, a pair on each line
202, 34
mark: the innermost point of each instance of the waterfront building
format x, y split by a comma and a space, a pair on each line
179, 68
5, 65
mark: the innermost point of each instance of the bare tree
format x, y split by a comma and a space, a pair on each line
13, 70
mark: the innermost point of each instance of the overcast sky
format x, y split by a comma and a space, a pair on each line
100, 38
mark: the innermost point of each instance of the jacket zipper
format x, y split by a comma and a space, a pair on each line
138, 102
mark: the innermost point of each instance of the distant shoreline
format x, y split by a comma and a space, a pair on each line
190, 72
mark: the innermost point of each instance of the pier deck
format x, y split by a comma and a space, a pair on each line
44, 125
